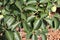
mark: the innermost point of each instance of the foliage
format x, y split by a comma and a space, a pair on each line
32, 15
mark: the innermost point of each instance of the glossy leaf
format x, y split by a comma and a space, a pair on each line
58, 3
31, 2
23, 16
49, 21
10, 21
28, 36
9, 34
34, 37
18, 5
6, 18
12, 1
44, 1
43, 26
43, 15
54, 8
1, 3
38, 32
57, 15
43, 37
14, 25
4, 12
24, 0
56, 23
31, 18
17, 36
5, 2
30, 8
26, 27
29, 24
16, 12
37, 24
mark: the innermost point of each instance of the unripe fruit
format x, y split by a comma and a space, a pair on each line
1, 17
53, 9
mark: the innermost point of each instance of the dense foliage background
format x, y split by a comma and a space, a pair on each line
32, 15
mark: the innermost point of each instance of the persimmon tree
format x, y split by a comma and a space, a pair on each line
32, 15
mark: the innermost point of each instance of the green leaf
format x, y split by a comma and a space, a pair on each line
24, 0
40, 9
7, 8
17, 3
59, 27
58, 3
4, 12
43, 15
31, 18
30, 8
10, 21
16, 12
5, 2
43, 37
9, 34
26, 27
1, 27
49, 6
38, 32
17, 36
23, 16
34, 37
37, 24
21, 1
1, 3
57, 15
29, 24
12, 1
14, 25
44, 1
43, 26
44, 31
28, 35
31, 2
49, 21
56, 23
6, 18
